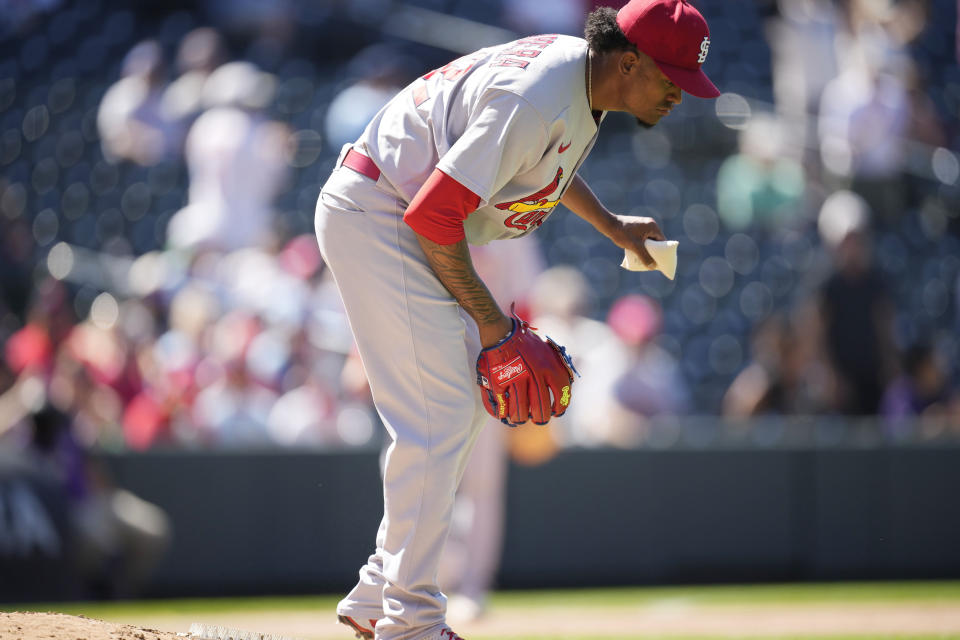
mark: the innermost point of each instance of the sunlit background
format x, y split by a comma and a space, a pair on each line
161, 288
141, 146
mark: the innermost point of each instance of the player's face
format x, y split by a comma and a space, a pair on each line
648, 94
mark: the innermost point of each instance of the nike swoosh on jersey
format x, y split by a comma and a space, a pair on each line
563, 147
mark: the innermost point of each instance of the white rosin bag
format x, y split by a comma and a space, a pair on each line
663, 251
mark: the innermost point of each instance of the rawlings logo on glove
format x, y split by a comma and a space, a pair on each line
525, 377
507, 372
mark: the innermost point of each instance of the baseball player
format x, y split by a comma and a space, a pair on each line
481, 149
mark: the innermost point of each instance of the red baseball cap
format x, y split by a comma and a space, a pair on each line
676, 36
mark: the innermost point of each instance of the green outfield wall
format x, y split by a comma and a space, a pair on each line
283, 522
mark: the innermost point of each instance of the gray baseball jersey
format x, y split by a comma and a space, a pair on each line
511, 123
503, 122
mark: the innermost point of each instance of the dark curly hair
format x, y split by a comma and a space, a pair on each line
603, 34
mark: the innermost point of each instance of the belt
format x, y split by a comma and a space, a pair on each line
361, 164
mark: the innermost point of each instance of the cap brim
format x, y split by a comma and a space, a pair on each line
693, 81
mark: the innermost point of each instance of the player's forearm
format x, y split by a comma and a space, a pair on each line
454, 268
627, 232
580, 199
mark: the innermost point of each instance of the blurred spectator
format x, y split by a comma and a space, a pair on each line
131, 121
859, 103
237, 159
870, 96
926, 130
375, 75
305, 415
804, 59
16, 262
761, 186
763, 387
268, 27
232, 408
95, 375
926, 126
17, 13
149, 365
168, 364
922, 387
956, 307
200, 52
560, 300
651, 384
120, 538
31, 349
528, 17
853, 308
781, 379
885, 26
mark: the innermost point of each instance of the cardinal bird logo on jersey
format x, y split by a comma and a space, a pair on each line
530, 211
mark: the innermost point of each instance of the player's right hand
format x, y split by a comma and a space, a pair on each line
632, 233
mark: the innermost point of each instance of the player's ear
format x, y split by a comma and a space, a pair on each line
628, 62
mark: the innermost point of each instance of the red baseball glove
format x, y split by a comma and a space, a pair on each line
525, 377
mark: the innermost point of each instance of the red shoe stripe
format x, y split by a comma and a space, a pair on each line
356, 625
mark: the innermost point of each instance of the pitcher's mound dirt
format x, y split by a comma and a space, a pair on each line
41, 626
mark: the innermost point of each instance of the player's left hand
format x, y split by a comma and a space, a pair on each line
631, 233
525, 377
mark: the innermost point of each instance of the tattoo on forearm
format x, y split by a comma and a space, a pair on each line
454, 268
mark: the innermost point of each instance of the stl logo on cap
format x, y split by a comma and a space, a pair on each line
676, 36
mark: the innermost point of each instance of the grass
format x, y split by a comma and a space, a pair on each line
543, 602
740, 594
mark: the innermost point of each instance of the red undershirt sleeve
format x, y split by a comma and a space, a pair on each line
438, 210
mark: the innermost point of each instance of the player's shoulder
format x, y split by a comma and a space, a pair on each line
544, 70
532, 58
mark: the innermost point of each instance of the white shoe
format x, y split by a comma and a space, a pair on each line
362, 632
366, 633
447, 634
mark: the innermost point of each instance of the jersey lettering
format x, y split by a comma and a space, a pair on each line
420, 94
524, 53
526, 48
527, 221
541, 40
455, 69
509, 62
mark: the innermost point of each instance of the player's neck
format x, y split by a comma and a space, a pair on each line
599, 87
588, 74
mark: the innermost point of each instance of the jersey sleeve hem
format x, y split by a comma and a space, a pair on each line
439, 208
473, 186
492, 141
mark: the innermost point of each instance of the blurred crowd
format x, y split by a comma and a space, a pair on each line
161, 285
